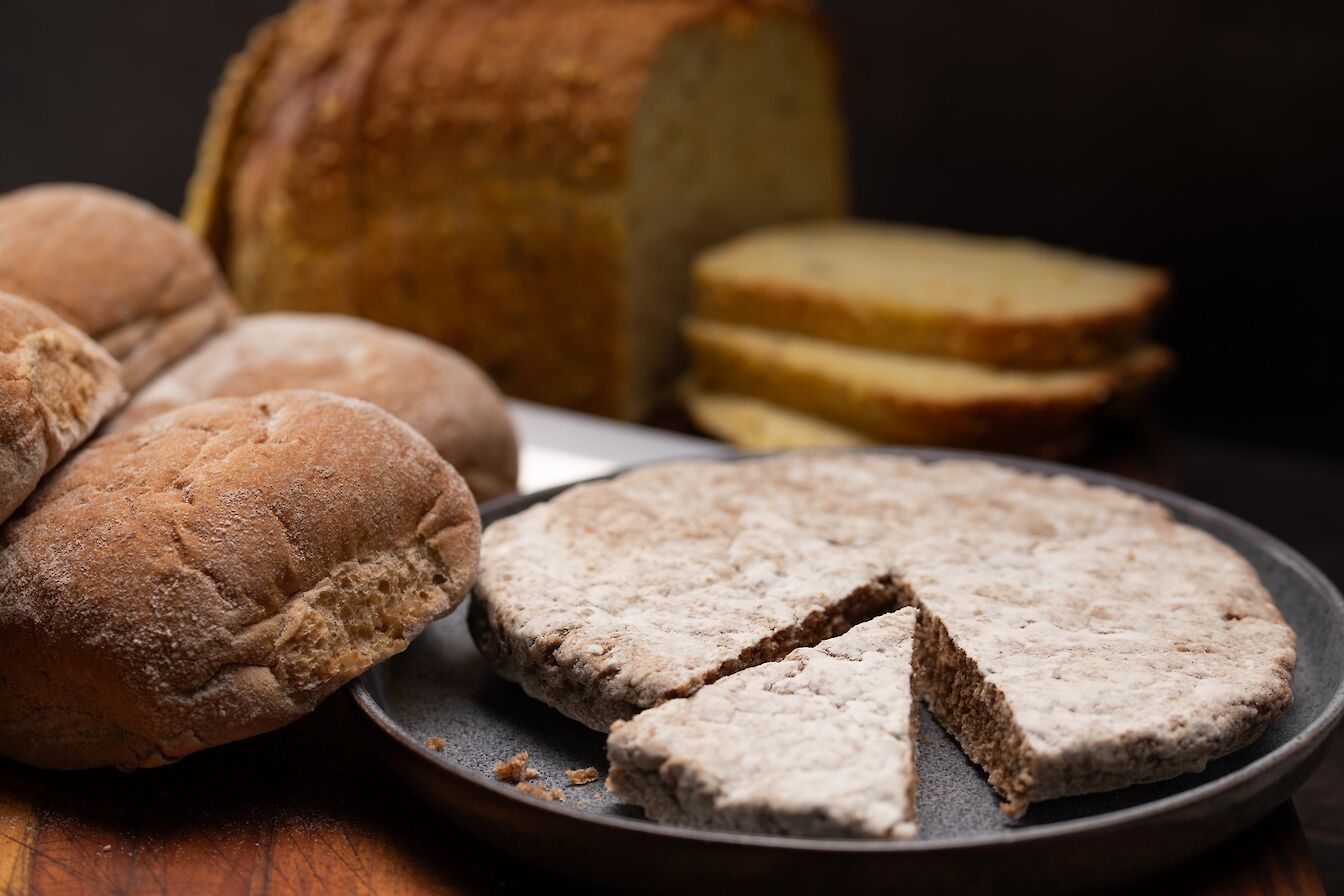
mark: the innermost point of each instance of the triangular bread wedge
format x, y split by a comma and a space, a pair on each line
818, 744
992, 300
1073, 637
915, 399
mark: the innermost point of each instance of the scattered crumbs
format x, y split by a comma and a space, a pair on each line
578, 776
515, 769
435, 743
541, 793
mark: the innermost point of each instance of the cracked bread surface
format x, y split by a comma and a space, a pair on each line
216, 572
441, 394
818, 744
119, 269
1126, 646
56, 386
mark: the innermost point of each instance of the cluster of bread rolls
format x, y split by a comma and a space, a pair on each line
272, 504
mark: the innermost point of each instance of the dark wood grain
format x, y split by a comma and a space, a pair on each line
310, 810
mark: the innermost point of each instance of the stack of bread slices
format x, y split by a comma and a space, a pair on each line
837, 333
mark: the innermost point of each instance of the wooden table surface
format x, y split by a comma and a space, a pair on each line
309, 809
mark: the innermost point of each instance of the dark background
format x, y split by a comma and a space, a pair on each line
1202, 136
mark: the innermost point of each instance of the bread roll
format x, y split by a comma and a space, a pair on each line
117, 268
56, 385
439, 393
216, 572
526, 181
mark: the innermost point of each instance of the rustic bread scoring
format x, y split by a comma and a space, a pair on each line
1074, 638
216, 572
818, 744
991, 300
117, 268
56, 386
439, 393
524, 181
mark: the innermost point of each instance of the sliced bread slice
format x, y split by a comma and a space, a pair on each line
730, 756
755, 425
916, 399
992, 300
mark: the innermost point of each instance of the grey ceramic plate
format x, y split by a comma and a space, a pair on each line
440, 687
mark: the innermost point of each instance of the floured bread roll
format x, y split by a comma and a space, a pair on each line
217, 572
117, 268
441, 394
56, 384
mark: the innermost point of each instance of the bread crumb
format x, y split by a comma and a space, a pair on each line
515, 769
578, 776
541, 793
435, 743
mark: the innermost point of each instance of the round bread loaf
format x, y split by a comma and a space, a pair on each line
217, 572
117, 268
442, 395
56, 384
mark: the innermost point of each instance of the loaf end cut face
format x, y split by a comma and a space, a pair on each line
561, 171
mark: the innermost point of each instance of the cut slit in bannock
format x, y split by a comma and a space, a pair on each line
1073, 638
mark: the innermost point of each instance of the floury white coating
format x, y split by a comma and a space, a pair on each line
1124, 646
733, 756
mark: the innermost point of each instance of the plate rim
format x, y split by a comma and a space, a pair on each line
1299, 747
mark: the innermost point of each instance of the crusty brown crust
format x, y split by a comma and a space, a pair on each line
974, 711
56, 385
117, 268
442, 395
532, 665
892, 415
1045, 344
218, 571
382, 158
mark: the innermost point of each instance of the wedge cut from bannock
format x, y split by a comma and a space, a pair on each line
917, 399
1073, 637
753, 424
818, 744
993, 300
